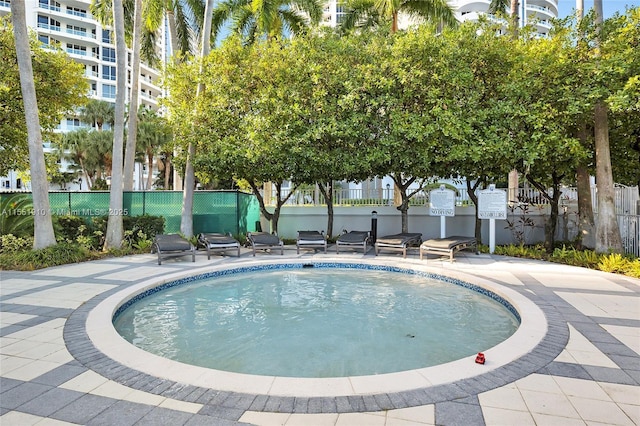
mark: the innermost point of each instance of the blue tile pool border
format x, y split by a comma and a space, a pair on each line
323, 265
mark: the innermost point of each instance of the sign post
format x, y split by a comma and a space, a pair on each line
442, 202
492, 205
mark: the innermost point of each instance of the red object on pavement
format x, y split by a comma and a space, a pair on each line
480, 358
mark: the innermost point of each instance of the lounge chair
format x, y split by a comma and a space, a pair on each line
216, 242
311, 239
448, 246
264, 241
353, 239
398, 242
172, 245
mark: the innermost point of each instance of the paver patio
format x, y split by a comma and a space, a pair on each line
585, 371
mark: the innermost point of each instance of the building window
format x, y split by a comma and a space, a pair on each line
79, 31
76, 49
77, 11
109, 91
106, 36
108, 72
44, 40
73, 122
109, 54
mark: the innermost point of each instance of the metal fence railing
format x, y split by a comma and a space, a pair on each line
626, 198
213, 211
630, 231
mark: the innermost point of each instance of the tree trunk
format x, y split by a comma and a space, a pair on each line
327, 193
514, 18
275, 216
173, 37
130, 150
150, 171
586, 222
551, 224
167, 171
115, 232
607, 231
471, 191
186, 222
43, 226
394, 23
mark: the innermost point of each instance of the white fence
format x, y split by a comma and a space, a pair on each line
626, 200
626, 197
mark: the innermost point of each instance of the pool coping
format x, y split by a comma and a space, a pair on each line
541, 337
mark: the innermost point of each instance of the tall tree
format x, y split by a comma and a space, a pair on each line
43, 226
586, 220
115, 231
186, 220
132, 121
607, 230
61, 88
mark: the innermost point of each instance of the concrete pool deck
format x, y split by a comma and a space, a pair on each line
584, 371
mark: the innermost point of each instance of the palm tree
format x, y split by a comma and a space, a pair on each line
497, 6
152, 134
72, 148
96, 113
115, 232
43, 226
369, 13
184, 18
607, 230
186, 219
253, 19
130, 149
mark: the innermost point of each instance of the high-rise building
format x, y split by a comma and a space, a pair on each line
70, 26
532, 12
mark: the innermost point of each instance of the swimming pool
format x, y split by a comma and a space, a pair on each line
107, 341
317, 320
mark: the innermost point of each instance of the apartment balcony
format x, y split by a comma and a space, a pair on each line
66, 15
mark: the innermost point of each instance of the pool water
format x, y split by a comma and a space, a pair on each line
327, 322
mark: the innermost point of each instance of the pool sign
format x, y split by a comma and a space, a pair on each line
492, 203
442, 202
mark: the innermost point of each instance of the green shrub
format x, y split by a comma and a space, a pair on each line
633, 268
614, 262
531, 252
9, 243
16, 215
68, 227
150, 225
59, 254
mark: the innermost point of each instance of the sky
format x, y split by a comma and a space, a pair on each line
609, 7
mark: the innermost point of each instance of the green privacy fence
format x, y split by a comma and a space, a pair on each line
213, 211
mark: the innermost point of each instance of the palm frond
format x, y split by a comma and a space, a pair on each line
430, 10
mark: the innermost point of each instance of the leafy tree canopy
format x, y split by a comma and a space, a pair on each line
60, 87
